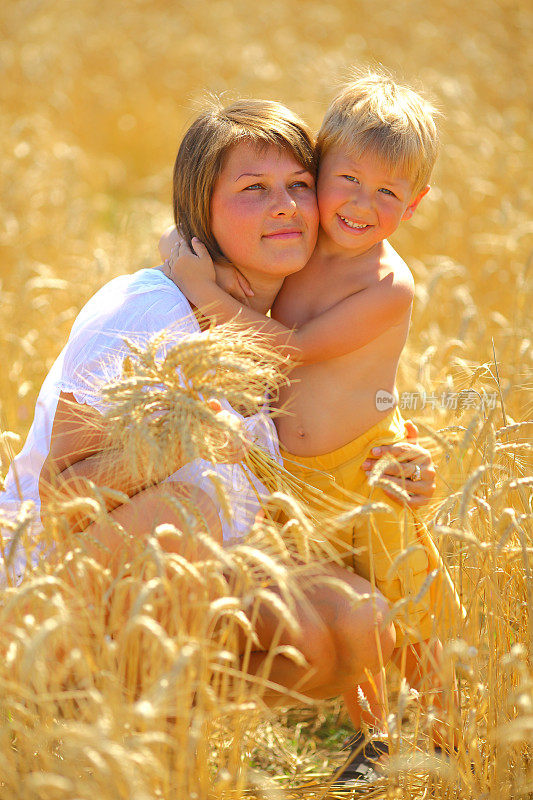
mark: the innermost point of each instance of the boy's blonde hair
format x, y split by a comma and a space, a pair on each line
374, 114
204, 148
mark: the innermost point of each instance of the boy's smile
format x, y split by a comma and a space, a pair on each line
361, 200
357, 227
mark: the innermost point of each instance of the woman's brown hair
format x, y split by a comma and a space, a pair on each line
204, 148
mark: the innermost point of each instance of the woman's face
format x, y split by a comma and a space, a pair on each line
264, 214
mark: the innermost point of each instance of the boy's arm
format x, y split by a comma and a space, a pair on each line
347, 326
356, 320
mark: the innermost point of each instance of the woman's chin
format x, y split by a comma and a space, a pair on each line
280, 271
287, 263
275, 269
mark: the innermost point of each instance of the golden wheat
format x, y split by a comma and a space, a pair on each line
124, 695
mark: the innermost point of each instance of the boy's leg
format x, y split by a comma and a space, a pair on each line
370, 708
420, 663
338, 642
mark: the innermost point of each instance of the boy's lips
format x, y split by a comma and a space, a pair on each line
283, 233
354, 225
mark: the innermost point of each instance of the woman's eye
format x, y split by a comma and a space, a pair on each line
253, 186
300, 185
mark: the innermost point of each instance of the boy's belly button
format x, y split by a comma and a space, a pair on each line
300, 432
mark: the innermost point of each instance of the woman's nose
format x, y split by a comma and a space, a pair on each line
283, 204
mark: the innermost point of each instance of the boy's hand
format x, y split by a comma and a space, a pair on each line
167, 241
227, 276
188, 265
230, 279
412, 470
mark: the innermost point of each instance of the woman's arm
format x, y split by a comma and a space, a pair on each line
81, 457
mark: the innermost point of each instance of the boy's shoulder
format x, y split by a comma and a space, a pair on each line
381, 268
391, 263
392, 282
381, 281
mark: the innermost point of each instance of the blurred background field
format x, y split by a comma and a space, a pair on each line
94, 99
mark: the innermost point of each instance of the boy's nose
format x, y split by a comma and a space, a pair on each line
361, 198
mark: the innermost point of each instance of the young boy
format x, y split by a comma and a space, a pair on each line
344, 319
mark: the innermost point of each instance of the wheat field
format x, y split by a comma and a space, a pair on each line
135, 691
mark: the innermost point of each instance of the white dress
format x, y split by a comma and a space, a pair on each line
136, 306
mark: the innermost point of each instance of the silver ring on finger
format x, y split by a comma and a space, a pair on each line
417, 474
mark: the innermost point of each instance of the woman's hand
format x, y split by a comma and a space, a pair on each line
411, 470
229, 445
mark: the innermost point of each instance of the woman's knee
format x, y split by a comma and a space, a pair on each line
317, 645
199, 502
186, 507
312, 638
383, 628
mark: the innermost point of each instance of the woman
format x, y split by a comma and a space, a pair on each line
339, 643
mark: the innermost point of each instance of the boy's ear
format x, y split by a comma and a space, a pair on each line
411, 208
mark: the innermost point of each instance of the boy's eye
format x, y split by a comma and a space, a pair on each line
350, 178
387, 191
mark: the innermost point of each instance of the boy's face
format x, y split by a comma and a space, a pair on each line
361, 200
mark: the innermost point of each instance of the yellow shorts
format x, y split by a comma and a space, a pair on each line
392, 549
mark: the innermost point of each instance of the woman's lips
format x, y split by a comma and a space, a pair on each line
289, 233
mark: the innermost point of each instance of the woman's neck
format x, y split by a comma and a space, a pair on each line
263, 298
265, 289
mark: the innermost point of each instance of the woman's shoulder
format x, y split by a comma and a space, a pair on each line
141, 286
129, 308
143, 302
